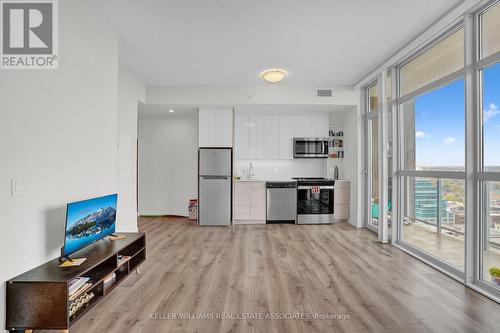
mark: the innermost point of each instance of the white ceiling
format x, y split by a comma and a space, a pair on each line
321, 43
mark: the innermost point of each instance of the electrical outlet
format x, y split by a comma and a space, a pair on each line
16, 187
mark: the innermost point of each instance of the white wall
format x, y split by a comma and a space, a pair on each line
350, 167
168, 164
353, 164
131, 92
58, 136
234, 95
276, 170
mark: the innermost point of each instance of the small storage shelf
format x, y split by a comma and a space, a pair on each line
137, 259
98, 293
336, 144
40, 300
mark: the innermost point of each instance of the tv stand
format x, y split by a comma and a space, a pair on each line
39, 300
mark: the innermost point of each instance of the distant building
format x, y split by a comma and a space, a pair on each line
426, 201
459, 218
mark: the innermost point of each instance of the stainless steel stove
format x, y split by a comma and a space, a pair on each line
314, 200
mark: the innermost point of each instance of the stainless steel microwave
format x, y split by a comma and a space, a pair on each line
310, 148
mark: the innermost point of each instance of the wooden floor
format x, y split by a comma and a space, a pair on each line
281, 270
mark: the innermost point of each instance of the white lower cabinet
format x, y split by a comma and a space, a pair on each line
258, 201
241, 201
249, 202
341, 200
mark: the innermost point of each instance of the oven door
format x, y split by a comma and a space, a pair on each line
310, 148
314, 204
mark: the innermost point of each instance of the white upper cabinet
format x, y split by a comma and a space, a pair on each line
241, 137
320, 126
285, 137
215, 127
256, 136
302, 126
271, 137
206, 128
224, 128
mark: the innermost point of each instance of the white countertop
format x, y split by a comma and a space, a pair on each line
277, 180
250, 180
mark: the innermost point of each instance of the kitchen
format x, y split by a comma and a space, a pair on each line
287, 165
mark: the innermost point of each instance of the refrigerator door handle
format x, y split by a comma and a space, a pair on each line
214, 177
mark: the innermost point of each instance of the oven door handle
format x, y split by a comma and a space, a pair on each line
310, 187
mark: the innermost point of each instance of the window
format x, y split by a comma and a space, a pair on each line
444, 58
374, 172
388, 92
490, 28
434, 181
491, 231
434, 129
489, 185
432, 141
373, 97
434, 217
388, 89
491, 117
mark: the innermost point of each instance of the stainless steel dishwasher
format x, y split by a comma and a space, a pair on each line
281, 202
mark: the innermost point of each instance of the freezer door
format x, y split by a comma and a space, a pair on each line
215, 201
215, 162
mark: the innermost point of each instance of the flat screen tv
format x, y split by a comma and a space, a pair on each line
88, 221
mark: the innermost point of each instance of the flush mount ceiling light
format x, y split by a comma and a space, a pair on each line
171, 111
273, 75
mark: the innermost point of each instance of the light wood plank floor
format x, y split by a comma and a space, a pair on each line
273, 269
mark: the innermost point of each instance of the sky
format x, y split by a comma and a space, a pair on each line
440, 124
491, 107
80, 209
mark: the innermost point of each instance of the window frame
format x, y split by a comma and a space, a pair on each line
474, 177
481, 177
402, 174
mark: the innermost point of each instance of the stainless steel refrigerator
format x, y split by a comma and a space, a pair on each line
214, 186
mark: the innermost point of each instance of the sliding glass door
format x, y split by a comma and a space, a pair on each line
372, 164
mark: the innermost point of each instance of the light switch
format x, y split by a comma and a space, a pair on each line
16, 187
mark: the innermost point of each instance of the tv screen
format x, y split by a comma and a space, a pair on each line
88, 221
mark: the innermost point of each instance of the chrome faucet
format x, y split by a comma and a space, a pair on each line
250, 170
